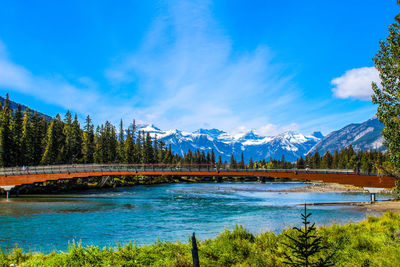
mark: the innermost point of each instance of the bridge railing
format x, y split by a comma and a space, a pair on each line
107, 168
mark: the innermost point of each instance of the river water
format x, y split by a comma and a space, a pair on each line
167, 212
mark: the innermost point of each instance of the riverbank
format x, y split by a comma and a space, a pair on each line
326, 188
374, 242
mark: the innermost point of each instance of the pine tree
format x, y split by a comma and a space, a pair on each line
27, 139
6, 142
212, 157
76, 146
54, 143
316, 160
99, 147
241, 163
6, 139
155, 150
335, 160
232, 165
147, 155
138, 147
326, 161
121, 145
129, 153
219, 161
88, 144
67, 131
251, 164
306, 246
16, 131
112, 142
300, 163
40, 127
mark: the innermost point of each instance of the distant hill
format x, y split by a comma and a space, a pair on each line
362, 136
14, 106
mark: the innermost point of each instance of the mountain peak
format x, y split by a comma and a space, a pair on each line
148, 128
250, 135
317, 135
211, 132
362, 136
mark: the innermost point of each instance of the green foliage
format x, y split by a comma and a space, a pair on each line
396, 190
387, 96
372, 242
88, 145
306, 246
54, 143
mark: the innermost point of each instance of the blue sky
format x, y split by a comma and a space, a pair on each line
234, 65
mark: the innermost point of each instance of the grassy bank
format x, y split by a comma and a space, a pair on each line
372, 242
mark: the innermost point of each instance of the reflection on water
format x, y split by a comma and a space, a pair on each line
168, 212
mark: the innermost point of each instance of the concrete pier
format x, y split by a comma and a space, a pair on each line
7, 188
373, 191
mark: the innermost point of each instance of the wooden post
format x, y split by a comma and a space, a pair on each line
195, 252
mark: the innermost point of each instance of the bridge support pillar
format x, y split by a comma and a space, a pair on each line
373, 191
7, 188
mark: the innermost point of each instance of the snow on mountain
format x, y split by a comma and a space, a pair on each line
291, 145
362, 136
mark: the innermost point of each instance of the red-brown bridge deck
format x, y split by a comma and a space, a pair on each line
19, 176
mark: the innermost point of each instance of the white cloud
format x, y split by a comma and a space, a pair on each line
356, 83
273, 129
82, 98
189, 76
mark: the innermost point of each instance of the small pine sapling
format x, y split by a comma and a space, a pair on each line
306, 245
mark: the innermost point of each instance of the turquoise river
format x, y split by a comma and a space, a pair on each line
168, 212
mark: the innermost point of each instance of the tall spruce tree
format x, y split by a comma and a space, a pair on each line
16, 131
88, 145
54, 143
76, 145
129, 148
6, 138
121, 143
67, 131
40, 126
27, 139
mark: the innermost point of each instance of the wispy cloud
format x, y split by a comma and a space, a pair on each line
356, 83
188, 75
80, 96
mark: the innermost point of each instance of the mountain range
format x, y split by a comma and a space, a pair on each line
362, 136
290, 145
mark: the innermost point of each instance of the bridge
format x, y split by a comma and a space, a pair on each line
11, 177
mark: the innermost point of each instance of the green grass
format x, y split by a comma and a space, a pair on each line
372, 242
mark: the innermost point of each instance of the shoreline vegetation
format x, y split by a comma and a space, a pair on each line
374, 241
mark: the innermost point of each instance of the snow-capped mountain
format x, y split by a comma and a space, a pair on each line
362, 136
291, 145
